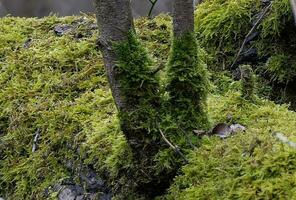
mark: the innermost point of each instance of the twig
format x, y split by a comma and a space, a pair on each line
175, 148
284, 139
153, 3
257, 23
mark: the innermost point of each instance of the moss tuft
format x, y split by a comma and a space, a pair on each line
187, 84
248, 82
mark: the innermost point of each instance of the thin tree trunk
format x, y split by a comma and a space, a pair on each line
114, 21
183, 14
186, 75
293, 6
137, 99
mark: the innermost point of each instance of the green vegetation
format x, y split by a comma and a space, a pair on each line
56, 85
248, 82
250, 165
188, 84
221, 27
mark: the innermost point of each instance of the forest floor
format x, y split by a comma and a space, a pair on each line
60, 135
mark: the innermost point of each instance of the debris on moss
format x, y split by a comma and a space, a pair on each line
251, 165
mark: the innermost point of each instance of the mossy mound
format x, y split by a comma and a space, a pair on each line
250, 165
56, 86
222, 25
53, 84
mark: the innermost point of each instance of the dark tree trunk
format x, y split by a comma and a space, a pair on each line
183, 15
135, 91
114, 21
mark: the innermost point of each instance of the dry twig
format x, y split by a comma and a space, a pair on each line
175, 148
257, 23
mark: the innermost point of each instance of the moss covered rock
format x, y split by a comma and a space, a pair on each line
53, 84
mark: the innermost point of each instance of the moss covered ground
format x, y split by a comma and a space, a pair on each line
56, 86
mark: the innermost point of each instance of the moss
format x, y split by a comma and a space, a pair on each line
250, 165
139, 86
248, 82
222, 25
187, 84
57, 85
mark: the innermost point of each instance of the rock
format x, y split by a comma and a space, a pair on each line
89, 187
106, 196
92, 181
67, 194
61, 30
1, 198
27, 43
236, 128
70, 192
81, 197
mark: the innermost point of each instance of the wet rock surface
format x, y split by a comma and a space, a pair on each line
89, 187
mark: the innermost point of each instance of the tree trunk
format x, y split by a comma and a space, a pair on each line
293, 6
134, 89
186, 75
183, 15
114, 21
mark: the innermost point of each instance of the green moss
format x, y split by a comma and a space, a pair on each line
58, 86
187, 84
222, 25
250, 165
139, 86
248, 82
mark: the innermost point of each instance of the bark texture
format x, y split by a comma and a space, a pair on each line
114, 21
293, 6
183, 14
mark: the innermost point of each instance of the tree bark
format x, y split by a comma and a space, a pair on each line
293, 6
183, 17
187, 76
114, 21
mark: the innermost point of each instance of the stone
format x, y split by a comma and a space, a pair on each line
70, 192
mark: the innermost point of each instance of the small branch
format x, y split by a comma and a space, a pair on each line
284, 139
175, 148
153, 3
257, 23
